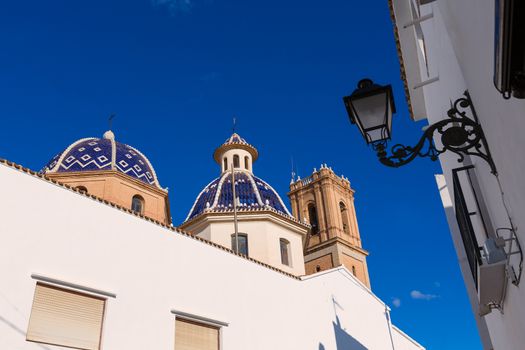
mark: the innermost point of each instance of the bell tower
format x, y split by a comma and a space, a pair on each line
326, 202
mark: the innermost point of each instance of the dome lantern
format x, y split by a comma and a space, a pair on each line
236, 152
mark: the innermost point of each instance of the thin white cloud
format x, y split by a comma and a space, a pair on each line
416, 294
396, 302
174, 6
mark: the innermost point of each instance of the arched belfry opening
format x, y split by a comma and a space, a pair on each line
344, 217
312, 217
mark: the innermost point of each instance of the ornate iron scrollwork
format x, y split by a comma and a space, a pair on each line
459, 134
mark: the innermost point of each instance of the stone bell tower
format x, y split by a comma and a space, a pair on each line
326, 202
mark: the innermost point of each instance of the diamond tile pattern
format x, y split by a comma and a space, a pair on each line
96, 154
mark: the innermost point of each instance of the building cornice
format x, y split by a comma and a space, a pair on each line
251, 210
333, 240
400, 57
103, 173
235, 145
246, 215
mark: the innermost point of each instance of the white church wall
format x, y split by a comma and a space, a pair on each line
51, 231
263, 240
460, 47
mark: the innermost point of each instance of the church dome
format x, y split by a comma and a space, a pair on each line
94, 154
252, 193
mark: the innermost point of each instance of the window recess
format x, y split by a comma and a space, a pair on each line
465, 212
496, 261
194, 332
66, 318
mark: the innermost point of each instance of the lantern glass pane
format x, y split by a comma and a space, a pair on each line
376, 135
389, 115
370, 110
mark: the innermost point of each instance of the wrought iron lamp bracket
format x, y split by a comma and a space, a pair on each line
459, 133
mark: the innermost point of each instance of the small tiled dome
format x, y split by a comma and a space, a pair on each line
92, 154
235, 142
252, 193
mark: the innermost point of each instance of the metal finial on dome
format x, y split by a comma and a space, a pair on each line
109, 135
110, 120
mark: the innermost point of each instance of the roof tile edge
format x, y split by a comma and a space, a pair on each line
400, 57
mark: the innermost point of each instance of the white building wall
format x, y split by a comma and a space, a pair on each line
263, 241
51, 231
460, 49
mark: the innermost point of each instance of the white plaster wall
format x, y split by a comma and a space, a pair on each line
263, 241
460, 41
52, 231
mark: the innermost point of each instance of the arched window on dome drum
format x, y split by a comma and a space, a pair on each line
236, 163
312, 215
247, 163
225, 163
82, 189
285, 251
344, 217
353, 270
243, 243
137, 204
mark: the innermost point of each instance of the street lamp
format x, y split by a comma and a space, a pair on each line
371, 107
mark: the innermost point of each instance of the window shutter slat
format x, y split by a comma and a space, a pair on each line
66, 318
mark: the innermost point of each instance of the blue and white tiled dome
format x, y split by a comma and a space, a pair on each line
252, 193
92, 154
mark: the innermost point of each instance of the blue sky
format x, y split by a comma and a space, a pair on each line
175, 72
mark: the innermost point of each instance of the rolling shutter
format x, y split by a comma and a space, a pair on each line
191, 335
66, 318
